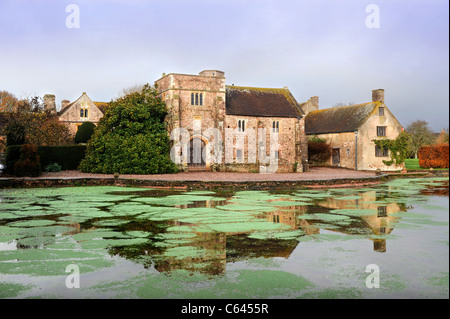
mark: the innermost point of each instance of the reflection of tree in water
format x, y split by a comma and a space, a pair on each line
440, 189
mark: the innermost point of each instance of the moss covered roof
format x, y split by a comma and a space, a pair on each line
264, 102
338, 119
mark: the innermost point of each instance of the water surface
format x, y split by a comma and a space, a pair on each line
150, 243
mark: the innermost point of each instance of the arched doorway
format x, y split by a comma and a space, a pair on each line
196, 156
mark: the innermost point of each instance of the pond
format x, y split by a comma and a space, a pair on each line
386, 241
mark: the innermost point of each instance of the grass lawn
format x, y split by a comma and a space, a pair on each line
413, 164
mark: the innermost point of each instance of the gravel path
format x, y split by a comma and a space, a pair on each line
316, 173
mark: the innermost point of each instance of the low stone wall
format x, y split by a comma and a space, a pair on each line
40, 182
220, 185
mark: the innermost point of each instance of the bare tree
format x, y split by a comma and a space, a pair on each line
420, 135
132, 89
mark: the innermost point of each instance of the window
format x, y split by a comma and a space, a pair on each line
196, 98
275, 126
277, 154
381, 152
192, 99
201, 98
239, 156
382, 211
381, 130
381, 111
348, 151
276, 219
241, 126
84, 111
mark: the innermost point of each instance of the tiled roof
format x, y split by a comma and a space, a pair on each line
338, 119
101, 106
264, 102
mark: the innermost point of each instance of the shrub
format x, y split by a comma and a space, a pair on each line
131, 138
15, 134
68, 156
28, 163
435, 156
319, 151
53, 167
84, 132
12, 155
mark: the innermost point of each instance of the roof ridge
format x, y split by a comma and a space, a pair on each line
253, 87
345, 106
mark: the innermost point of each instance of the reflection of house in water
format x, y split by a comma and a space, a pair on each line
380, 222
209, 256
288, 215
218, 249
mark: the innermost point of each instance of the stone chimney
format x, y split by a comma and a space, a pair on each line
212, 73
49, 103
64, 103
315, 102
378, 95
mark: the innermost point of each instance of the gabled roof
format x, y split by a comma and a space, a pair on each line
100, 105
264, 102
338, 119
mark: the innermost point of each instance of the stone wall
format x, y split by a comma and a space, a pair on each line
368, 132
287, 136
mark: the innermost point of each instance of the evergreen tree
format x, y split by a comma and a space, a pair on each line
131, 138
84, 132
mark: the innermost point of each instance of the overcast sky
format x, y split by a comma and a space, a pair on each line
322, 48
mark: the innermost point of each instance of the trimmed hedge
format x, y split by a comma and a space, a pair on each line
28, 163
68, 156
84, 132
435, 156
12, 155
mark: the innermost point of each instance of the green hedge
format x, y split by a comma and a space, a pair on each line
84, 132
68, 156
12, 155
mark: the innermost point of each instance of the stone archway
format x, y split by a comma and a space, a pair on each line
197, 156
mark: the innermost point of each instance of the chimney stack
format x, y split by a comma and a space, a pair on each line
378, 95
315, 102
49, 103
64, 103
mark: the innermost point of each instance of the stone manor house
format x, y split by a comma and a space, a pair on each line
223, 127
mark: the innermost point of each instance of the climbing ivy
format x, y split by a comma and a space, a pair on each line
397, 147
